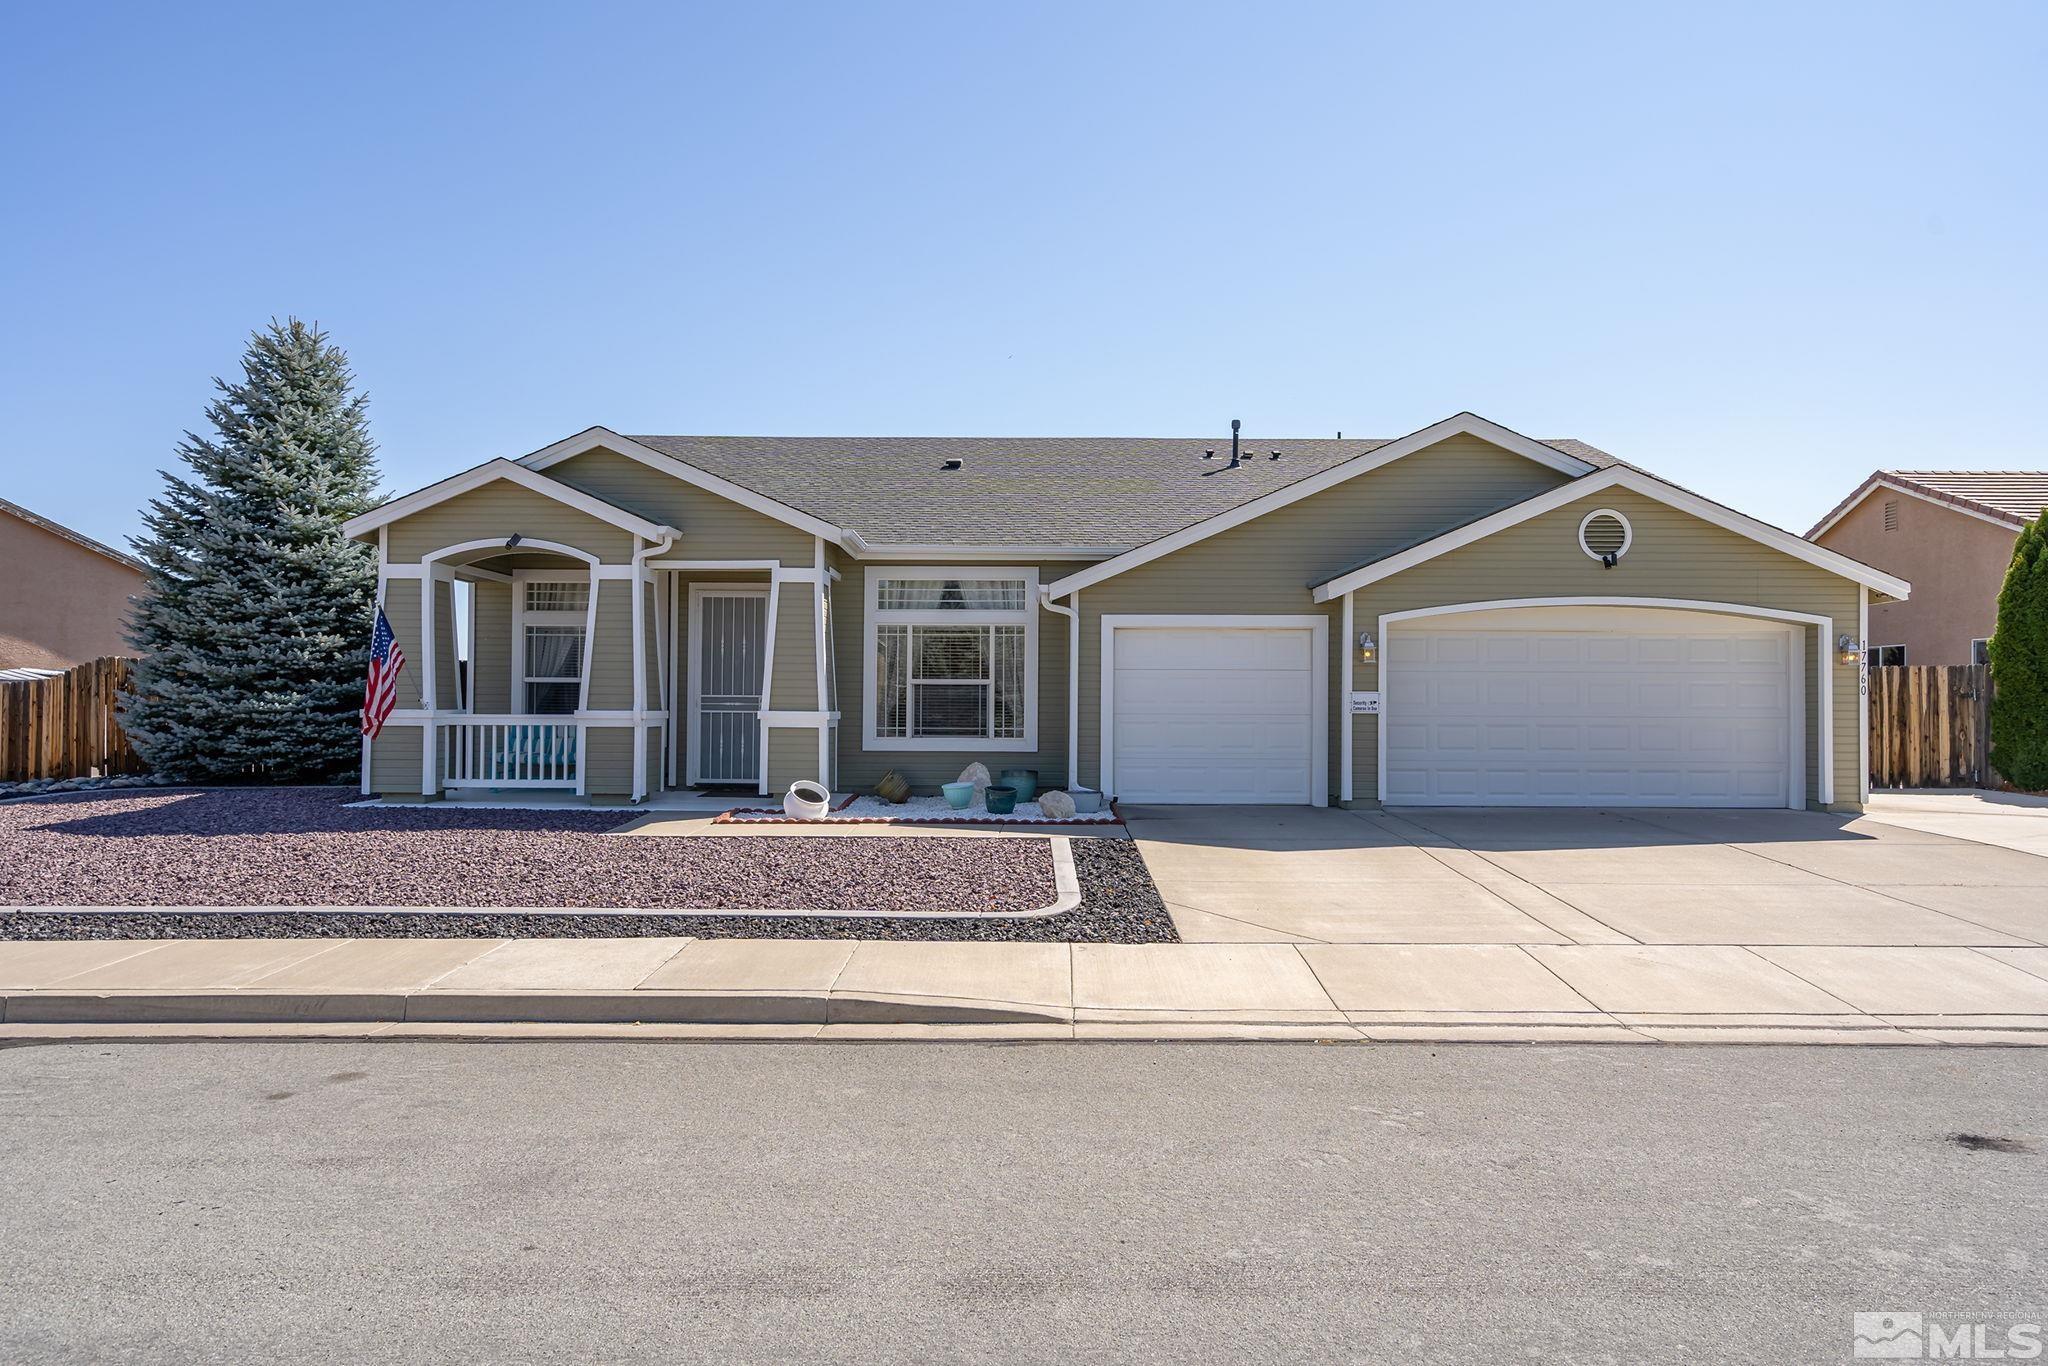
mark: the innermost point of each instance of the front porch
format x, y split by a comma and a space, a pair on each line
580, 652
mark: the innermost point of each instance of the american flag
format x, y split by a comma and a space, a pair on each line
380, 693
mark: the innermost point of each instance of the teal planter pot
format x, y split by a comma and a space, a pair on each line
1025, 780
957, 795
1001, 800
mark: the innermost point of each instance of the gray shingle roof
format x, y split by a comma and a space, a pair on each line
2014, 495
1108, 493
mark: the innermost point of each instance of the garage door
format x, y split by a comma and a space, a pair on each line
1213, 715
1622, 706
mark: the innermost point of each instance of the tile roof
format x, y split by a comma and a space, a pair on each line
76, 538
1104, 493
2015, 496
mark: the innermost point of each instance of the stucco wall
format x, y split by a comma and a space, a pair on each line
62, 604
1955, 562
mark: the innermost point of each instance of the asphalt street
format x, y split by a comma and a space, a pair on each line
570, 1201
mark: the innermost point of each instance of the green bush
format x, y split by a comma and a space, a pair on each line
2019, 664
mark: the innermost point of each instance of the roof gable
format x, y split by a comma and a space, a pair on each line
2008, 498
1385, 453
65, 533
491, 472
1649, 486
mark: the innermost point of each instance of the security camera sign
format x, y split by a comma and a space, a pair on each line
1365, 704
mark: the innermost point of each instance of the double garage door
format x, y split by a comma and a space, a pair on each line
1529, 707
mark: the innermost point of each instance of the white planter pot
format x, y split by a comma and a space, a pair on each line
806, 801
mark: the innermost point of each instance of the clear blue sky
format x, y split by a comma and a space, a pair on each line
1761, 249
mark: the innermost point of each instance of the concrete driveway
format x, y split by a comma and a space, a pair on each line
1651, 877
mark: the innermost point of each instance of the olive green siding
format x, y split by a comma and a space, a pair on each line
490, 648
402, 610
395, 759
713, 528
608, 760
447, 682
860, 767
497, 511
1674, 555
795, 651
611, 653
792, 754
1267, 566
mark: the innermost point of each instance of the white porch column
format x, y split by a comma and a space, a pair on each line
1344, 704
430, 693
634, 586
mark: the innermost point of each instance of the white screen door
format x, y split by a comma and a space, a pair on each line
728, 651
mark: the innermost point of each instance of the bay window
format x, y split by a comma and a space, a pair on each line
952, 659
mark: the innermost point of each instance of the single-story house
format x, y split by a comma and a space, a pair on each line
1461, 616
64, 597
1951, 533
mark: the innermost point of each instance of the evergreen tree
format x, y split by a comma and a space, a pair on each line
253, 628
2019, 664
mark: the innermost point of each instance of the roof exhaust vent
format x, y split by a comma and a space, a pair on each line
1274, 456
952, 464
1235, 459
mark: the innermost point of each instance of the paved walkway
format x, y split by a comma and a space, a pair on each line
809, 988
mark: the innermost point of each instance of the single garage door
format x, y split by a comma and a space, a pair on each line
1581, 707
1213, 715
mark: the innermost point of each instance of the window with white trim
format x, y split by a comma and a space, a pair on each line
554, 621
952, 659
1884, 656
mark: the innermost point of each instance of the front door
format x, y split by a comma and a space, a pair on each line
728, 652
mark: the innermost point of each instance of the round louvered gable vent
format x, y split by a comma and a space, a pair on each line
1606, 535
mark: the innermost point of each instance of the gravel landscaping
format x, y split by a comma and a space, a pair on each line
294, 847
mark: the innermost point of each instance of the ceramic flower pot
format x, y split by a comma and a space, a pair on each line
892, 788
1086, 799
1025, 780
957, 795
806, 801
1001, 800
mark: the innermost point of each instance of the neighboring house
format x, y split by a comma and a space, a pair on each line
63, 596
1950, 533
1460, 616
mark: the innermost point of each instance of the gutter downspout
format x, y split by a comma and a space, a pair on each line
668, 536
1072, 613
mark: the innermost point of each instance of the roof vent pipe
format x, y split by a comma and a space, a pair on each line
1235, 461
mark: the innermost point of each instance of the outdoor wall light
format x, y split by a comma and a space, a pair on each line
1368, 648
1849, 649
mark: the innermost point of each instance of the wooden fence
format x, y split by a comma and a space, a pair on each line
1930, 726
66, 726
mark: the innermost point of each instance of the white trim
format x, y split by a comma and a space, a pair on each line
1316, 624
1635, 481
968, 553
1628, 532
1027, 617
1823, 701
694, 671
800, 720
1462, 424
1344, 722
768, 671
818, 645
430, 696
490, 472
1863, 697
2011, 521
524, 547
603, 438
762, 566
1072, 612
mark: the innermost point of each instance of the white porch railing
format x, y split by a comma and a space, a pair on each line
510, 751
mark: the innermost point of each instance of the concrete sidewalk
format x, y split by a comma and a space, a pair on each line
835, 988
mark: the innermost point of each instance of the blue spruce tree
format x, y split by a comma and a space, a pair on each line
253, 629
